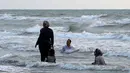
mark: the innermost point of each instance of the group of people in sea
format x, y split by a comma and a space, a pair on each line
46, 41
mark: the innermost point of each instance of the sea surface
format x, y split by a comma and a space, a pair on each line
108, 30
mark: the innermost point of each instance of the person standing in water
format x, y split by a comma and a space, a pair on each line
45, 40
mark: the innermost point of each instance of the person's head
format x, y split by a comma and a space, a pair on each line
46, 24
98, 52
51, 52
68, 42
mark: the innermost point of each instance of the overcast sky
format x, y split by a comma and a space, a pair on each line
64, 4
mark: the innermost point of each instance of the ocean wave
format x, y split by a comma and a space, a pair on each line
112, 23
95, 22
24, 62
94, 36
6, 33
68, 66
63, 18
27, 50
78, 66
13, 69
64, 32
11, 59
60, 29
7, 56
93, 16
92, 67
118, 53
74, 23
36, 29
13, 17
41, 64
98, 23
122, 21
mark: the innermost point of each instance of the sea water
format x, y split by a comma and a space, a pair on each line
107, 30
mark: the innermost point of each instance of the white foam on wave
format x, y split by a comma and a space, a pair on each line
122, 21
40, 64
6, 16
91, 67
34, 29
60, 29
77, 66
93, 16
63, 19
98, 23
13, 17
118, 52
93, 36
7, 55
6, 33
12, 69
101, 23
111, 44
37, 28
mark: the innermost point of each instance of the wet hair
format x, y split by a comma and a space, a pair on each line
98, 52
51, 52
69, 40
45, 24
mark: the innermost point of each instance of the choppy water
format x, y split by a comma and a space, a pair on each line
88, 29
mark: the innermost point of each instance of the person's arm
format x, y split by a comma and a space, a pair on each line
37, 42
94, 62
38, 39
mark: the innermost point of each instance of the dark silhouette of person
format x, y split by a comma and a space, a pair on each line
99, 60
45, 40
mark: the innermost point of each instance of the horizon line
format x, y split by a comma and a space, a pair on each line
65, 9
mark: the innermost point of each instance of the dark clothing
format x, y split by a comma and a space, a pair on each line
46, 36
51, 52
99, 60
45, 41
44, 51
51, 56
97, 52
